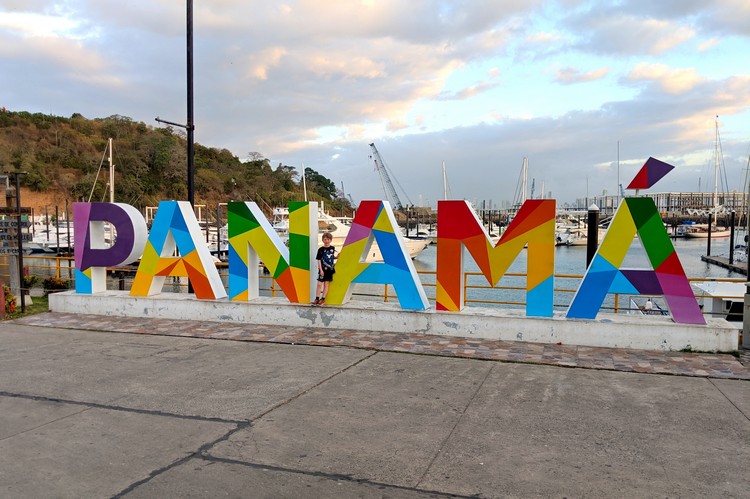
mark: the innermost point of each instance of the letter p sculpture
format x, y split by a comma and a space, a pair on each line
93, 254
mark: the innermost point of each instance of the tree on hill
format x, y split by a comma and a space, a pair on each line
66, 155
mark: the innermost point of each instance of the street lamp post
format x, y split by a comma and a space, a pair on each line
19, 236
190, 108
190, 125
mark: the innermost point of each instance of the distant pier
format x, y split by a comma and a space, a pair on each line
724, 263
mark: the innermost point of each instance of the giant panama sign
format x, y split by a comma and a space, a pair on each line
175, 231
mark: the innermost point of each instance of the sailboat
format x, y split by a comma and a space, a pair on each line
573, 231
701, 231
60, 236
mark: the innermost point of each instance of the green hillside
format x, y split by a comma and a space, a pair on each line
62, 156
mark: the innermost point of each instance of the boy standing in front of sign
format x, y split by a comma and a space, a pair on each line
325, 257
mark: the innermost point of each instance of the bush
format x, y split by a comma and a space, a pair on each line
55, 283
10, 300
29, 281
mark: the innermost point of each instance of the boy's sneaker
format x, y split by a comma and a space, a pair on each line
322, 300
317, 301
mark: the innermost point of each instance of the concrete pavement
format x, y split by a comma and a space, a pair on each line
102, 414
679, 363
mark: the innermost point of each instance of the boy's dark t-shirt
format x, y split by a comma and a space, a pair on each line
326, 256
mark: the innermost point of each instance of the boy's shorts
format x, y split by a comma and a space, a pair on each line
327, 275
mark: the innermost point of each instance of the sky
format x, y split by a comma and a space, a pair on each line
585, 90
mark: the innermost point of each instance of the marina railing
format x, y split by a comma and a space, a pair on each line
510, 292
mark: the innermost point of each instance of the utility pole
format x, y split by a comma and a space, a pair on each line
19, 236
619, 186
190, 108
190, 125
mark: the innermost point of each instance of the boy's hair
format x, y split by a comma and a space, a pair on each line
327, 235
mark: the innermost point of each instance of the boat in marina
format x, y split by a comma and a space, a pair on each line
8, 244
574, 231
723, 299
700, 231
719, 299
58, 236
49, 237
339, 229
575, 236
648, 307
217, 240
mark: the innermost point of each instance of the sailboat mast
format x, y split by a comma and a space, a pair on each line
304, 182
525, 179
445, 183
111, 173
716, 166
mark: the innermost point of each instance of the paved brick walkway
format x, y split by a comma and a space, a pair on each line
614, 359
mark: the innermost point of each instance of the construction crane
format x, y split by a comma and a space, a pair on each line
385, 179
346, 196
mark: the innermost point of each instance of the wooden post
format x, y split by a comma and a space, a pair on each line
19, 237
731, 238
592, 236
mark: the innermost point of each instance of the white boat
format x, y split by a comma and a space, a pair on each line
53, 237
339, 229
428, 231
280, 220
59, 237
574, 232
723, 299
700, 231
9, 242
217, 240
649, 307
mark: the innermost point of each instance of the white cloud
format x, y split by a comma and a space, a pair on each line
429, 79
708, 44
568, 75
395, 125
261, 63
728, 17
469, 91
631, 35
544, 38
28, 24
673, 81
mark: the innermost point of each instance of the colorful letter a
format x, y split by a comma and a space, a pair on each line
637, 215
175, 228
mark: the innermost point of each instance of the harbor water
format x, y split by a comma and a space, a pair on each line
509, 292
571, 260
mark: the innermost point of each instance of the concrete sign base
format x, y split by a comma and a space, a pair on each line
607, 330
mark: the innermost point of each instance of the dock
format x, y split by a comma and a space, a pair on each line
723, 262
